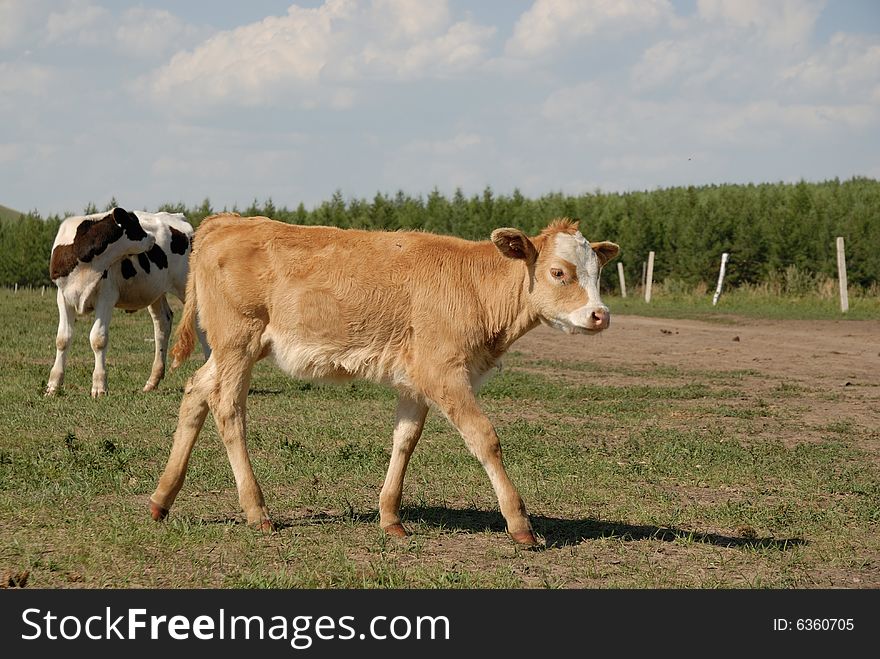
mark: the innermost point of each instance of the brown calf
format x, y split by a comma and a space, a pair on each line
426, 314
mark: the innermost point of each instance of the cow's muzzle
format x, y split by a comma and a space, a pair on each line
599, 320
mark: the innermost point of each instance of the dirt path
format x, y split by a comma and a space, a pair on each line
834, 365
831, 351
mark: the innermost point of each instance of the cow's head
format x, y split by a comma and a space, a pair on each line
125, 236
564, 274
101, 242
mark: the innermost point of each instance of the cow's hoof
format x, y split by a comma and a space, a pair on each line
264, 526
157, 512
149, 387
50, 392
525, 538
396, 530
99, 393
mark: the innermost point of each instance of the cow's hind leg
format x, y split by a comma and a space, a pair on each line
193, 410
98, 338
161, 314
66, 318
229, 407
410, 419
458, 403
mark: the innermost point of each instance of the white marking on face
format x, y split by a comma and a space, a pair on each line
576, 250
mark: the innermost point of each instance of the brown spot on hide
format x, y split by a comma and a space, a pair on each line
63, 261
91, 239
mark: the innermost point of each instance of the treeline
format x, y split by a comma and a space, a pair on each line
770, 230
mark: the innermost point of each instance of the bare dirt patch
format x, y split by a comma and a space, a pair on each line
824, 372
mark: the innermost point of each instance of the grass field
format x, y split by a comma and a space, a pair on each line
863, 305
639, 476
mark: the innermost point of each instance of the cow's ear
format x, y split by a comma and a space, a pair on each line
514, 244
605, 251
130, 223
121, 215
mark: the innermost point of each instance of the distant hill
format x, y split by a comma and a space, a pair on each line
9, 213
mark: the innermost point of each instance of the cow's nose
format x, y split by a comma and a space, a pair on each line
600, 318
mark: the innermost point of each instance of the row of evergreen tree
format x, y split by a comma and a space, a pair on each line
766, 228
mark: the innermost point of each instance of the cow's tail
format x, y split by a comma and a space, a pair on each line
186, 330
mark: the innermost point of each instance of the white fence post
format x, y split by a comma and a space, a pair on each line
841, 275
721, 272
649, 277
622, 280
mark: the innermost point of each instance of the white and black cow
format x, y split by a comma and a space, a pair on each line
123, 259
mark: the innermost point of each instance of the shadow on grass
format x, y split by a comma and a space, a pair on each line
557, 532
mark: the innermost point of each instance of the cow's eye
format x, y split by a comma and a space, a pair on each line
557, 273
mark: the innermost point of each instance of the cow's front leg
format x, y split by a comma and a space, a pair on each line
66, 318
98, 338
458, 403
408, 424
161, 314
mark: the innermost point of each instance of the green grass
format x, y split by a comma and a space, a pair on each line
642, 477
862, 306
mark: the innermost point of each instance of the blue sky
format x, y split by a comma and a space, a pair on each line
158, 102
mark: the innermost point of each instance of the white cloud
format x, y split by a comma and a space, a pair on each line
151, 32
314, 55
628, 132
412, 38
849, 65
410, 19
553, 24
564, 95
136, 31
78, 23
250, 64
460, 48
782, 22
728, 53
676, 62
17, 19
588, 113
789, 119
